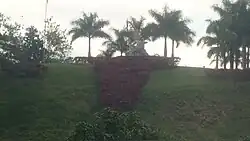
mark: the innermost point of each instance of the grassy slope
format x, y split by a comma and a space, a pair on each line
183, 102
45, 110
190, 105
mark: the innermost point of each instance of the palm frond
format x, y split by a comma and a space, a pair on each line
155, 31
100, 24
137, 24
89, 25
207, 40
156, 15
212, 61
219, 10
107, 42
77, 22
213, 51
100, 34
77, 33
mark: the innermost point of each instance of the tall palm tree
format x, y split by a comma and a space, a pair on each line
180, 32
219, 39
162, 26
213, 43
121, 41
90, 26
235, 13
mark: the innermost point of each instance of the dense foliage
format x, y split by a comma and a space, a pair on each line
110, 125
228, 36
22, 51
21, 54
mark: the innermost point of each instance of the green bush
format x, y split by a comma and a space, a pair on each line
111, 125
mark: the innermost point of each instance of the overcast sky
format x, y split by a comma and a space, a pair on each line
31, 12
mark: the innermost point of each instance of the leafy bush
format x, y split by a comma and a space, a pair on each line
111, 125
22, 55
27, 69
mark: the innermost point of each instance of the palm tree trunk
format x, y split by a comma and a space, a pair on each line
121, 53
231, 58
224, 60
89, 54
236, 64
172, 49
217, 61
244, 57
165, 47
236, 61
248, 53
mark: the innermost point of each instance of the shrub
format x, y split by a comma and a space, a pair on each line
22, 69
111, 125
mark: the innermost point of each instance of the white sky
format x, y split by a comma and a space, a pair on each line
31, 12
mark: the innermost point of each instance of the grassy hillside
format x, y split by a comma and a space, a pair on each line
183, 102
46, 109
186, 103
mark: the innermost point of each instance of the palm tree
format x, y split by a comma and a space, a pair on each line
139, 26
219, 39
211, 42
162, 27
235, 14
121, 41
90, 26
216, 52
180, 32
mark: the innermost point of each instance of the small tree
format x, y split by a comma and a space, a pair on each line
57, 44
33, 50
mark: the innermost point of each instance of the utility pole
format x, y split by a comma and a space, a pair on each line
45, 15
45, 28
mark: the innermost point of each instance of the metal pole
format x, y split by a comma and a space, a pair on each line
45, 28
45, 15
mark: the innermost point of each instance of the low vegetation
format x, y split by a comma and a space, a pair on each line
183, 102
110, 125
43, 101
47, 108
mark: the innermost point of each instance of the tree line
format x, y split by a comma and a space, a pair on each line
226, 37
169, 24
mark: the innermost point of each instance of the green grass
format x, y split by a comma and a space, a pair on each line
187, 104
182, 102
46, 109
